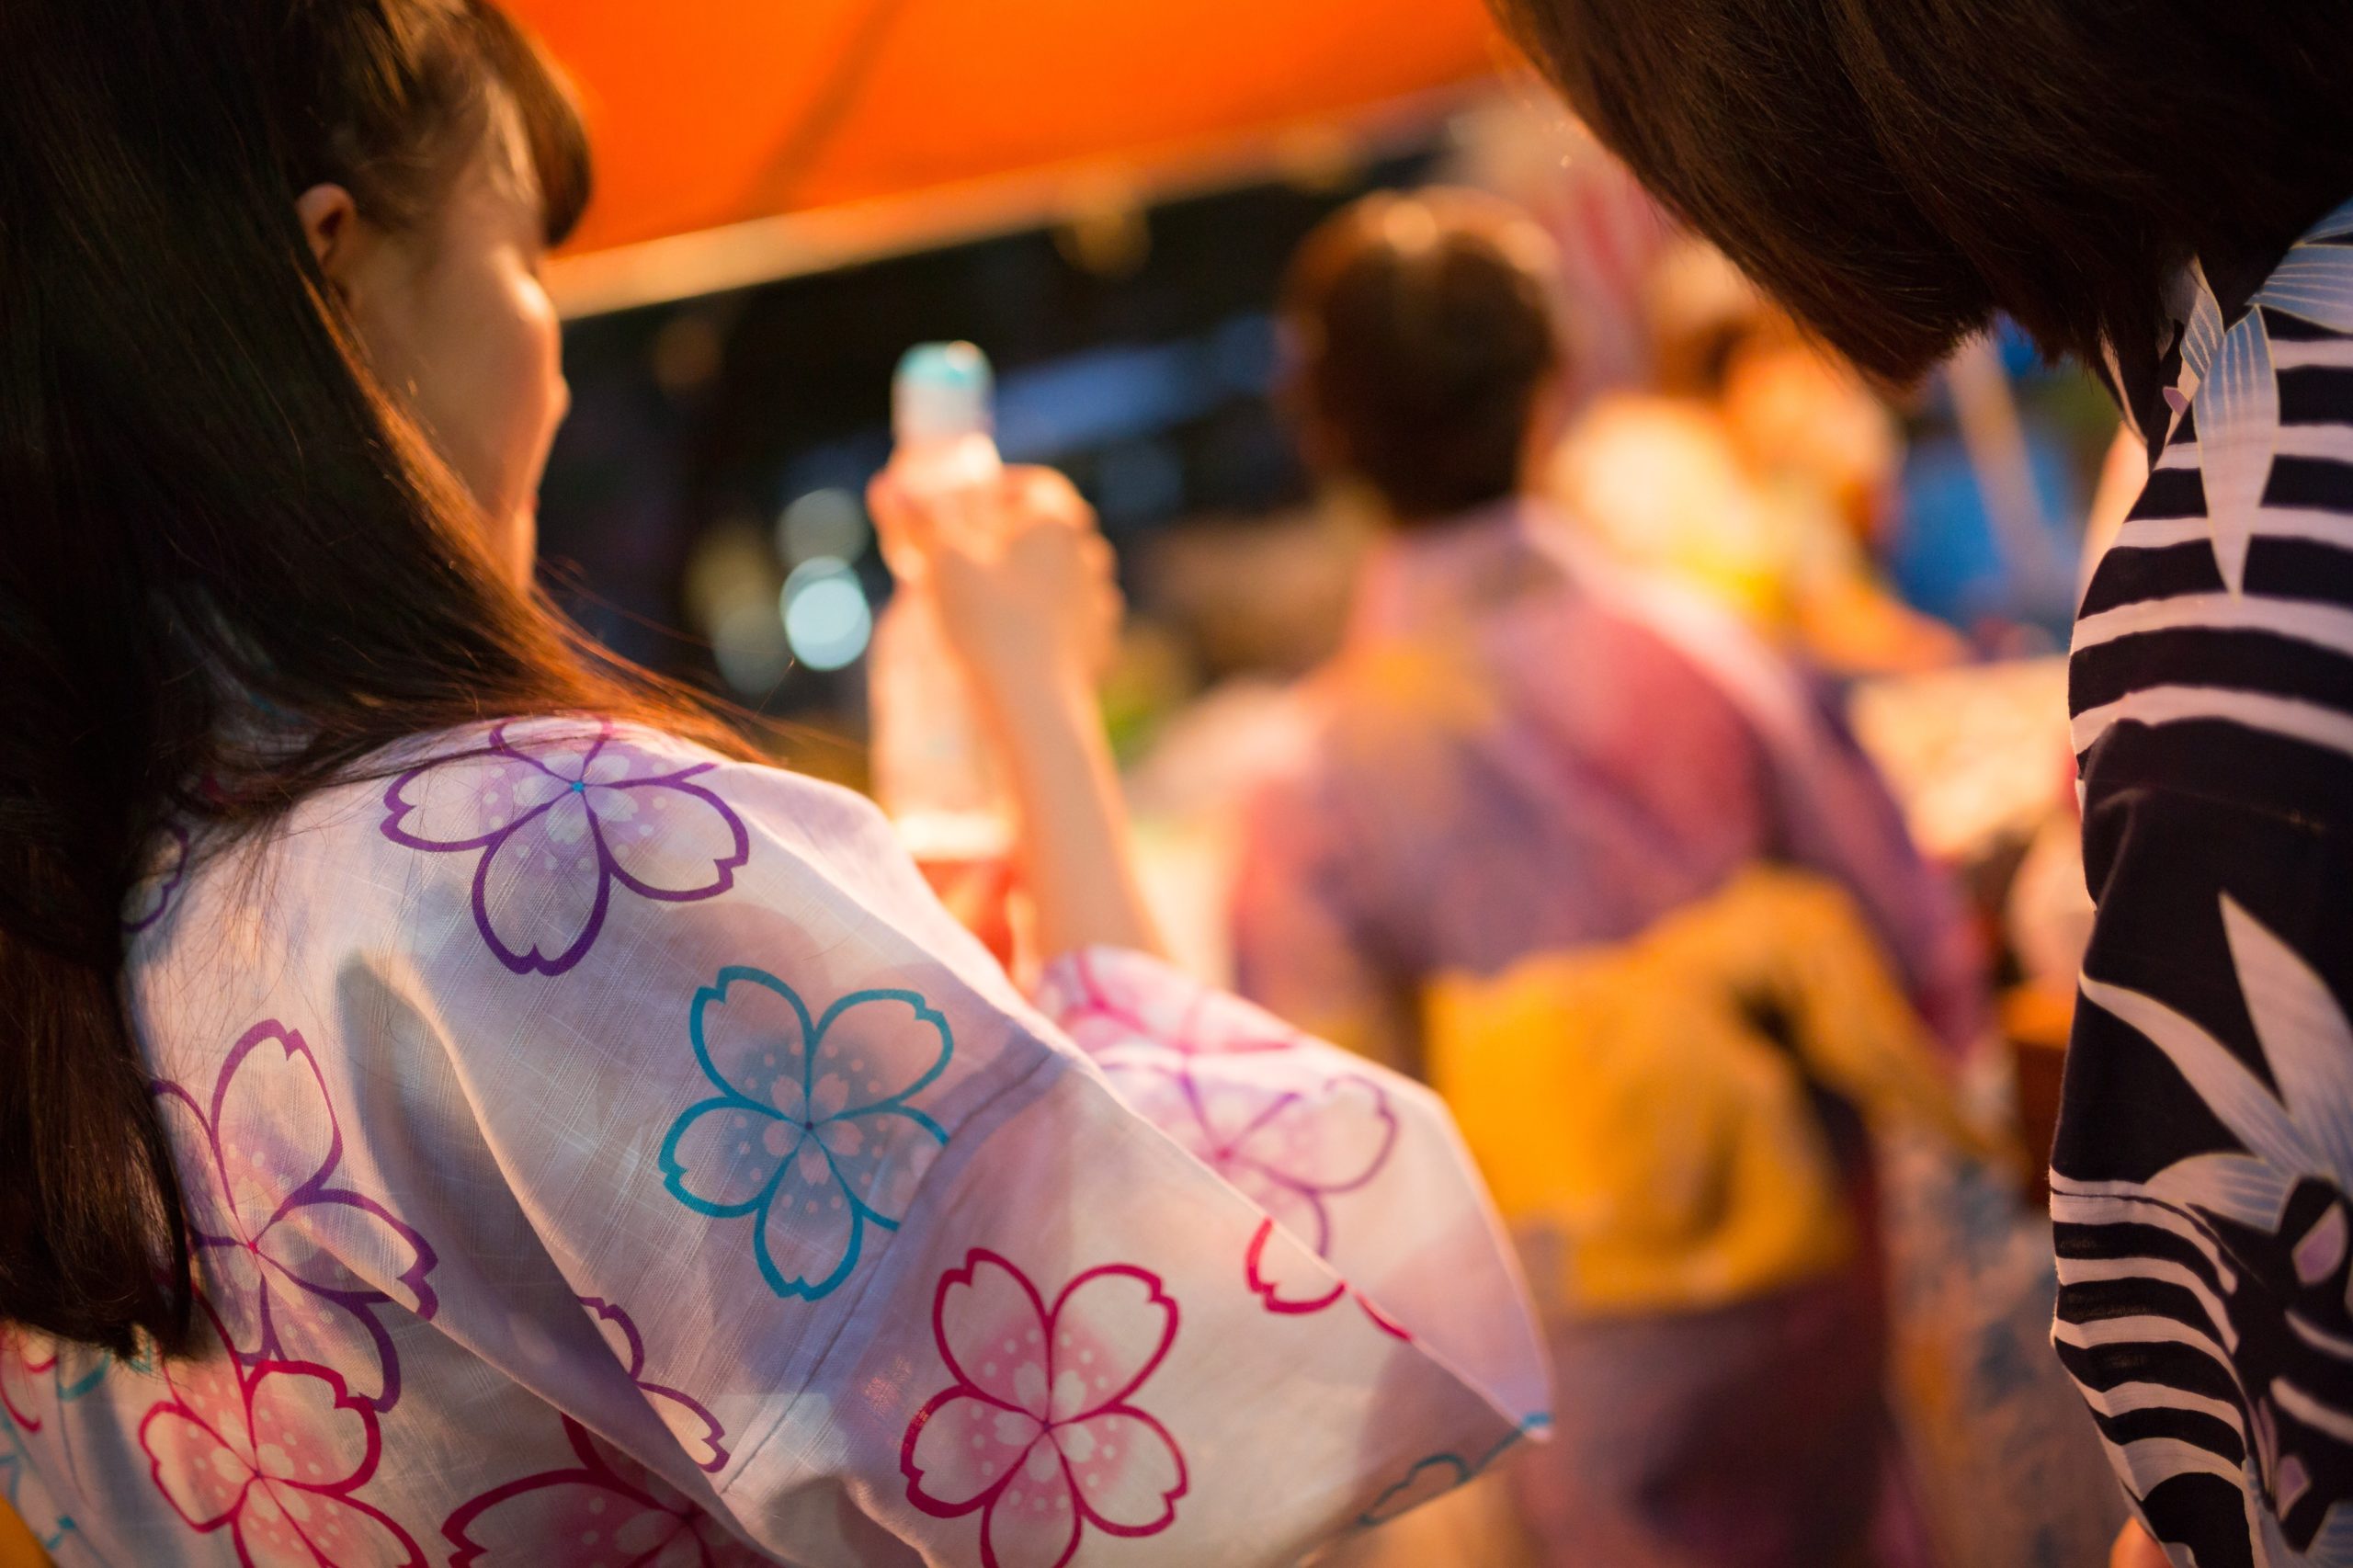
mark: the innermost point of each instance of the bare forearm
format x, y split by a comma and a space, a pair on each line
1075, 853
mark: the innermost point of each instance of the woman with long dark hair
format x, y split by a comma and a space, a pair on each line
2157, 188
455, 1104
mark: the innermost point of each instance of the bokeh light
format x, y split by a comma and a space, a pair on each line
828, 621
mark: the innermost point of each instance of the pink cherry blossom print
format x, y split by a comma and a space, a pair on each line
607, 1511
1228, 1081
1105, 999
276, 1453
27, 1361
557, 815
815, 1133
1287, 1277
1287, 1133
296, 1263
1039, 1432
697, 1431
1291, 1282
151, 893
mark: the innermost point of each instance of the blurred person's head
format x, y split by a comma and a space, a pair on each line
1792, 409
1896, 171
1697, 312
1797, 414
277, 379
1425, 344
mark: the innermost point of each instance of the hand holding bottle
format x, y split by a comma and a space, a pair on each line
1029, 602
1028, 607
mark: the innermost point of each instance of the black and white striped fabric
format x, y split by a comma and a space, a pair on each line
2200, 1179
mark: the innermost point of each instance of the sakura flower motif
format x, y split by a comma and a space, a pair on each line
1287, 1135
49, 1528
152, 894
276, 1453
609, 1511
289, 1255
697, 1431
814, 1133
27, 1361
1040, 1433
558, 814
1105, 1000
1230, 1083
1292, 1282
38, 1374
1441, 1473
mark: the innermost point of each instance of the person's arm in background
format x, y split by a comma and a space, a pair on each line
1031, 620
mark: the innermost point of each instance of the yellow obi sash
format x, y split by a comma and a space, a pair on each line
1626, 1103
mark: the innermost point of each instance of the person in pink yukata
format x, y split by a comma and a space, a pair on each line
458, 1104
1523, 752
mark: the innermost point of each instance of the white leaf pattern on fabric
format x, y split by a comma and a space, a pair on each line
2304, 1130
2238, 431
2312, 284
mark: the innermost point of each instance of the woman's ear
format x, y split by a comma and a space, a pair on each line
330, 220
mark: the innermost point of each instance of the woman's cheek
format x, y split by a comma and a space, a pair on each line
535, 393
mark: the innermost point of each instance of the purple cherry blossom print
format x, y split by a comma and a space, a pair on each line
152, 894
295, 1263
1230, 1083
557, 815
1290, 1137
697, 1431
609, 1510
274, 1453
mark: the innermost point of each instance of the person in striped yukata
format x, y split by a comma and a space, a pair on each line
2154, 190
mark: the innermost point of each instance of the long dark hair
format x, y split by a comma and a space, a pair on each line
206, 505
1895, 171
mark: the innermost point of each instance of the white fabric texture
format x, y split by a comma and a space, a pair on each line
603, 1154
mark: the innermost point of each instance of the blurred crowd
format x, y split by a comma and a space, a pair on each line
1727, 898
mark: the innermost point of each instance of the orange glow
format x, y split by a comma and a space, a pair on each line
707, 112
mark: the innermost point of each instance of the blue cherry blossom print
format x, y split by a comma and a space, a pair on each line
814, 1133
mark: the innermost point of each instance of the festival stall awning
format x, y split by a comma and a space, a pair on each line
738, 139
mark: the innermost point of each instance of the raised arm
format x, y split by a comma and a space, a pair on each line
1031, 614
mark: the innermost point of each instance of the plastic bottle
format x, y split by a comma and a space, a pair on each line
933, 770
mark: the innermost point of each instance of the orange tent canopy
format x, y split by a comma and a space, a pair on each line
707, 113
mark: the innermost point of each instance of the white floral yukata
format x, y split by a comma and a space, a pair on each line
599, 1153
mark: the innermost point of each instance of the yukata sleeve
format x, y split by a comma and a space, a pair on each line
917, 1276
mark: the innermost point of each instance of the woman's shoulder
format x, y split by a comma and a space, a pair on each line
541, 868
550, 837
623, 787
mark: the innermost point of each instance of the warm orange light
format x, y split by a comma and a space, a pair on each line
706, 112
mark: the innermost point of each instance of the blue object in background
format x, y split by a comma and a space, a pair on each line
1944, 555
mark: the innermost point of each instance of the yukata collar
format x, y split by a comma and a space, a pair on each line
1438, 573
2215, 357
